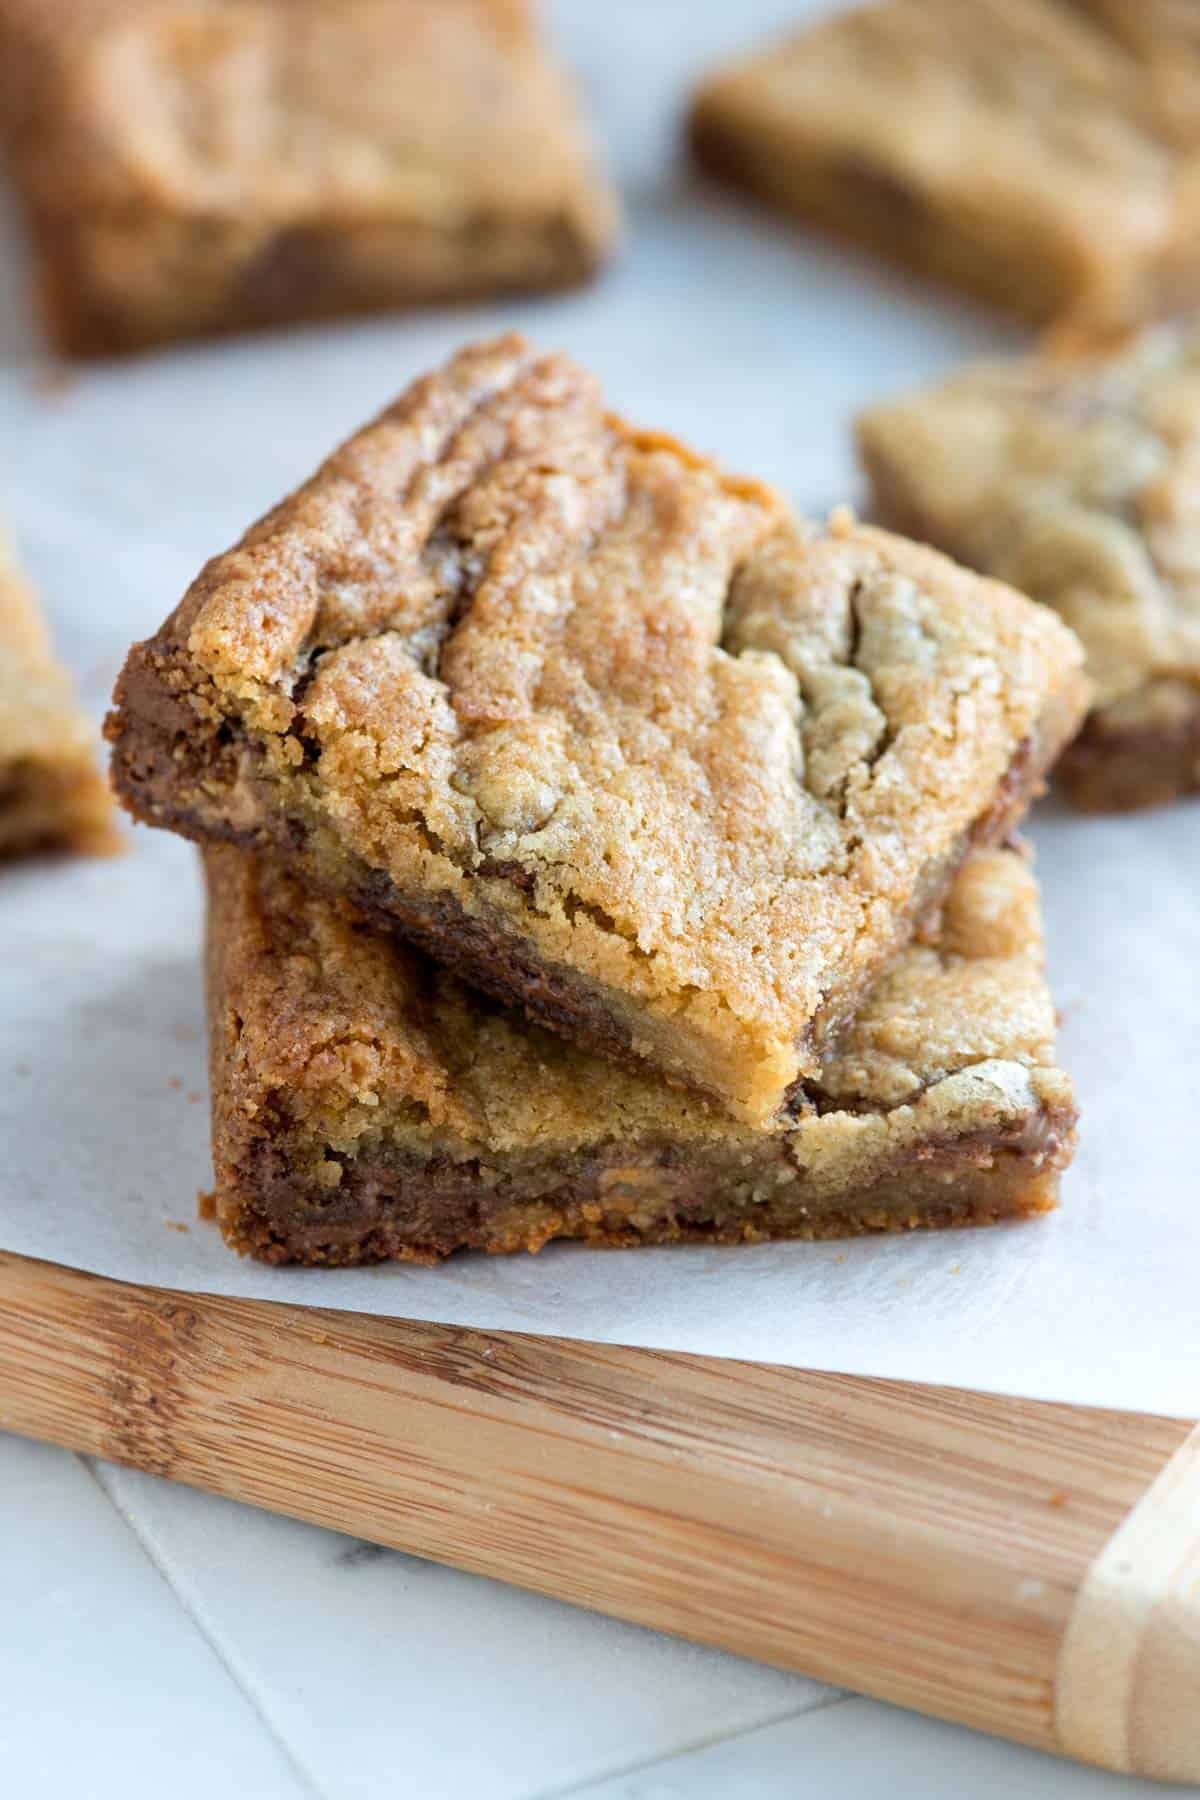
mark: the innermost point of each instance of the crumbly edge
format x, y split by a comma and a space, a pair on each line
157, 761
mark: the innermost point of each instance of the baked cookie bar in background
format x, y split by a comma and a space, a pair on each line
52, 794
1040, 154
603, 727
206, 165
1077, 478
1164, 36
367, 1105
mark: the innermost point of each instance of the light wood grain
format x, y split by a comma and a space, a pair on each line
924, 1545
1128, 1685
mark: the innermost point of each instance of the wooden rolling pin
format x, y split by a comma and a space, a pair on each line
1028, 1569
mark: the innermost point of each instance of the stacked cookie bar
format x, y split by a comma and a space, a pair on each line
597, 850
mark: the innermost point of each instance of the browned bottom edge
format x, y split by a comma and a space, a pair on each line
398, 1207
1108, 769
855, 202
48, 807
302, 276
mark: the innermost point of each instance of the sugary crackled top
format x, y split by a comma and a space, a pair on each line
696, 750
39, 716
294, 110
360, 1036
1081, 123
1077, 479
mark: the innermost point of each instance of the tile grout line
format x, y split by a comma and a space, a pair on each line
574, 1790
578, 1790
303, 1778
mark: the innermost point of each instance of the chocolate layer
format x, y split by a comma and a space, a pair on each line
421, 1210
1122, 768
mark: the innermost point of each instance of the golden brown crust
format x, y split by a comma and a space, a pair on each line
207, 165
52, 795
585, 693
1075, 479
365, 1102
1040, 154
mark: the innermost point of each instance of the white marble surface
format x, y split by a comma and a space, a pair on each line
157, 1643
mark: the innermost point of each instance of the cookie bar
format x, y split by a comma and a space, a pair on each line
1075, 478
1040, 154
1164, 37
367, 1105
207, 167
596, 723
52, 795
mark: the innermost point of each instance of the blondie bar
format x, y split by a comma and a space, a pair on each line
1041, 154
52, 795
210, 166
1075, 478
598, 724
367, 1105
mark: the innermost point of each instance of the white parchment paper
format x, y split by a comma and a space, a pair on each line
745, 340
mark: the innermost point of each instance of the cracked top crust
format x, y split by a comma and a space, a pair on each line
1076, 479
1055, 139
355, 1037
290, 113
508, 649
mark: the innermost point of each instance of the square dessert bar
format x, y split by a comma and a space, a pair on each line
367, 1105
207, 166
1041, 154
1076, 478
597, 724
52, 794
